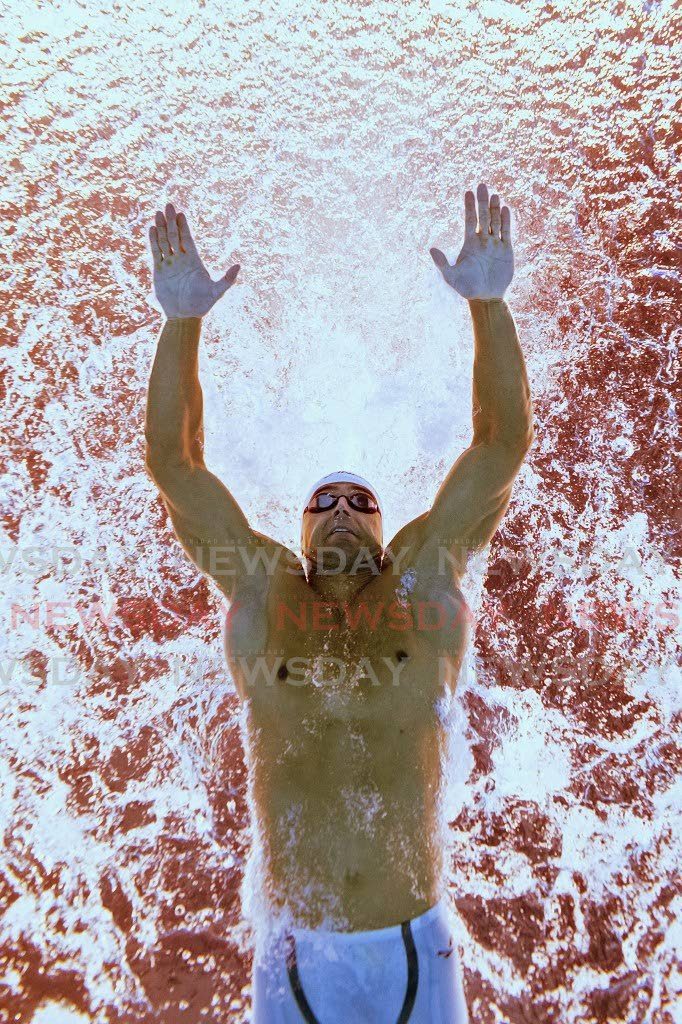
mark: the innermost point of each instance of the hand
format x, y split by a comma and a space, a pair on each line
181, 281
485, 265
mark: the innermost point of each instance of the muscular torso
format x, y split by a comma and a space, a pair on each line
346, 754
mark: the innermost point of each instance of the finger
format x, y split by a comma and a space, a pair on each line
505, 229
439, 258
495, 215
483, 210
186, 240
469, 214
157, 255
172, 227
226, 282
163, 237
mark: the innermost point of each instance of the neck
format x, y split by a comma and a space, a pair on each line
333, 585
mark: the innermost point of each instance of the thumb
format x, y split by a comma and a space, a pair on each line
226, 282
439, 258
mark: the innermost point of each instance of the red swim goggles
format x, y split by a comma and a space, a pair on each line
361, 501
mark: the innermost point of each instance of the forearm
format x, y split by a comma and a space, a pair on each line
174, 401
502, 407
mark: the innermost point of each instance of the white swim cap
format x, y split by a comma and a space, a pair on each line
342, 477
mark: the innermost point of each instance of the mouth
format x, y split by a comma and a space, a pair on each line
341, 529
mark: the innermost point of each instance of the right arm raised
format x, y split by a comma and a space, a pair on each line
207, 520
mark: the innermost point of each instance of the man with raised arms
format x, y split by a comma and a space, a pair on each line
342, 657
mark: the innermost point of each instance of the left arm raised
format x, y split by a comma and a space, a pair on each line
475, 494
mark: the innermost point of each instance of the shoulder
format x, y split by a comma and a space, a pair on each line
407, 541
433, 561
263, 565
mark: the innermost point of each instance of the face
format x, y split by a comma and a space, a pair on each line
342, 528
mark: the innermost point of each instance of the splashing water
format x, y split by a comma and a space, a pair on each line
325, 151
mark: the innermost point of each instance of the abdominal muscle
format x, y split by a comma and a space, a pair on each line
350, 843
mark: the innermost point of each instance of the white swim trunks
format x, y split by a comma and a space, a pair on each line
408, 972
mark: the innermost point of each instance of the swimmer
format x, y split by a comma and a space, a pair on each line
341, 657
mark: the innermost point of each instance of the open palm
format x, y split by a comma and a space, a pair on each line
485, 265
182, 284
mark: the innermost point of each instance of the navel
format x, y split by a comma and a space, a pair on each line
401, 655
282, 672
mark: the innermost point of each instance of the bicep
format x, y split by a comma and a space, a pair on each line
211, 527
475, 495
465, 513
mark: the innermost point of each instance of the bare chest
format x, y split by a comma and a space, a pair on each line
387, 648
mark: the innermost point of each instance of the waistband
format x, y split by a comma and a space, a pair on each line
392, 931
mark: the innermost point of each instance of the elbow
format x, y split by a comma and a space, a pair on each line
154, 454
526, 440
524, 433
153, 464
529, 437
519, 438
160, 458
